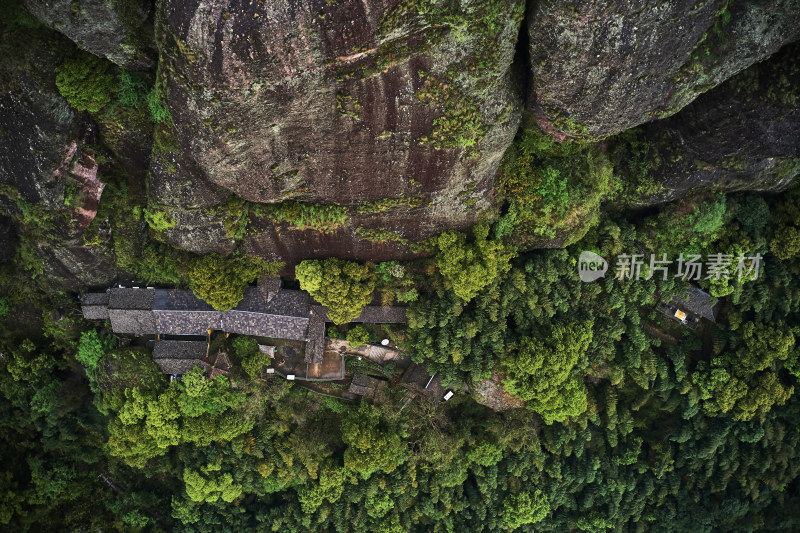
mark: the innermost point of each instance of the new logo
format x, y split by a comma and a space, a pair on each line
591, 266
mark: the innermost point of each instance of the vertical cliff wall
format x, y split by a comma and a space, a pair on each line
339, 103
602, 67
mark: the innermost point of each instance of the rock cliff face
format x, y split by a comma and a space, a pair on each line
602, 67
43, 168
742, 135
343, 103
118, 30
296, 129
36, 123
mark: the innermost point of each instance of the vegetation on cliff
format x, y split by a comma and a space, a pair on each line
609, 412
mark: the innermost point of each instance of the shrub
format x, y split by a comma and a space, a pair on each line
86, 81
357, 336
159, 112
158, 220
319, 217
132, 89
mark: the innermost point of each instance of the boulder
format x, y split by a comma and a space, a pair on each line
119, 30
740, 136
341, 103
602, 67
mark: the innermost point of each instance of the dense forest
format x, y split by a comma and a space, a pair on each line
612, 415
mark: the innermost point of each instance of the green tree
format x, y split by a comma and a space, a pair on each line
786, 242
345, 287
540, 371
91, 349
221, 282
357, 336
525, 508
210, 489
370, 445
469, 267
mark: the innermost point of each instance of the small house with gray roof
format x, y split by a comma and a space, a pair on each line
179, 357
697, 305
95, 305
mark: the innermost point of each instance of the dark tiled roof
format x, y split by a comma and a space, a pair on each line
376, 314
315, 347
252, 302
94, 298
177, 366
125, 298
179, 300
217, 365
187, 322
94, 312
263, 325
365, 385
289, 303
132, 321
95, 305
417, 375
180, 350
268, 287
698, 302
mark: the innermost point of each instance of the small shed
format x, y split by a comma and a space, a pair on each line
178, 357
269, 350
367, 387
95, 305
697, 305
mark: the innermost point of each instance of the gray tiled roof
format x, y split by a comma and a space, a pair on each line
94, 312
698, 302
180, 300
180, 350
94, 298
289, 303
132, 321
187, 322
264, 325
376, 314
177, 366
124, 298
315, 347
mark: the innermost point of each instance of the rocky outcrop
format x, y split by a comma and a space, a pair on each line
341, 103
36, 122
743, 135
48, 178
602, 67
119, 30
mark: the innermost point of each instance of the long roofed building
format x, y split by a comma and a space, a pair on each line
265, 311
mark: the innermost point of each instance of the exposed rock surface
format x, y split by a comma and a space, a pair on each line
115, 29
36, 122
602, 67
343, 102
43, 166
490, 392
743, 135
